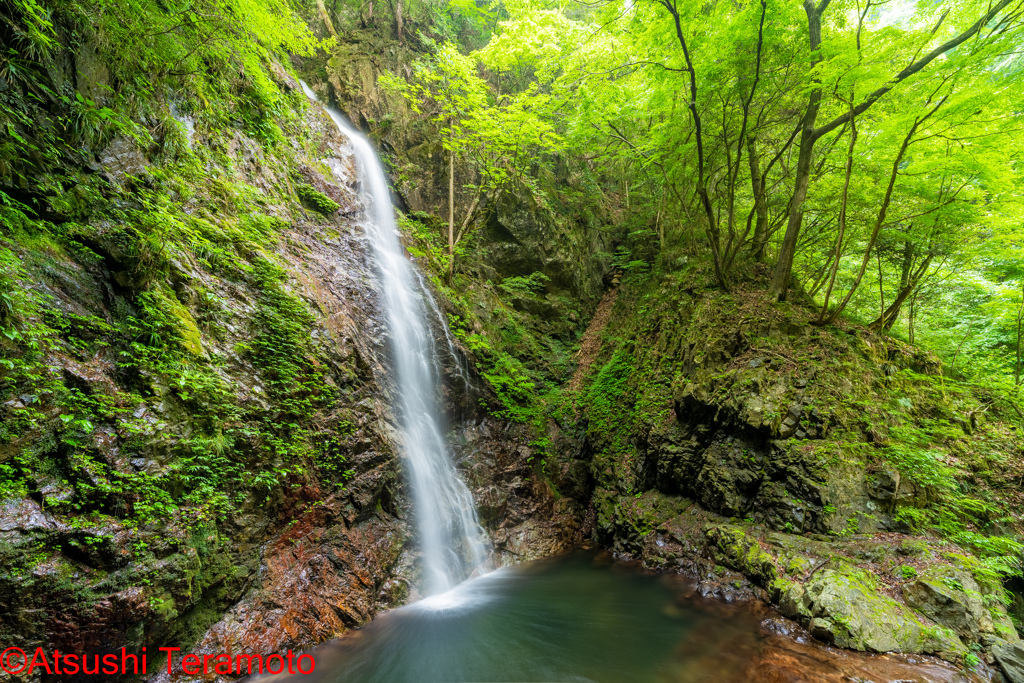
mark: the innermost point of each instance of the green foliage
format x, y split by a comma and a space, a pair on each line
605, 395
957, 514
281, 343
316, 200
600, 86
514, 387
524, 285
502, 140
330, 459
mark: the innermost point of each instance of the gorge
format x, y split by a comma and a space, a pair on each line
512, 341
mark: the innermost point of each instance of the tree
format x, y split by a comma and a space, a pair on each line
996, 28
865, 155
498, 138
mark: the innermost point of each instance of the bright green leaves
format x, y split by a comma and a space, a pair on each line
533, 47
178, 37
33, 33
500, 136
501, 139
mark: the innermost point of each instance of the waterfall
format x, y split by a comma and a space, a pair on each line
452, 542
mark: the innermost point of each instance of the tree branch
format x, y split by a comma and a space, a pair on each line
913, 69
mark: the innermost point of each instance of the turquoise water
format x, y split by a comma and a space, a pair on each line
584, 618
574, 618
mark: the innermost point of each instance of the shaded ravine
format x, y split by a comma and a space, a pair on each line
452, 541
567, 618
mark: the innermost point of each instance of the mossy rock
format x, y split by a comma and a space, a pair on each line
317, 201
952, 598
736, 549
789, 596
1011, 659
849, 611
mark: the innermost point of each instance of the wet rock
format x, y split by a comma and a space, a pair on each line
950, 597
93, 377
122, 159
574, 479
1010, 657
23, 516
850, 612
54, 491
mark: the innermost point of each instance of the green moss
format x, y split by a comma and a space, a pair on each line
735, 548
317, 201
907, 572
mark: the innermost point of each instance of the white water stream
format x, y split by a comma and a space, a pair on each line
452, 542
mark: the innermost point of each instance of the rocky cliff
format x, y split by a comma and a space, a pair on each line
831, 471
197, 447
834, 472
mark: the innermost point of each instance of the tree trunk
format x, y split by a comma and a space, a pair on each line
890, 315
1020, 325
844, 201
787, 252
911, 316
784, 267
451, 214
883, 210
326, 18
398, 18
702, 189
757, 247
881, 286
659, 226
731, 249
908, 261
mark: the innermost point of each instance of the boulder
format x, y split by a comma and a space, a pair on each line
952, 598
734, 548
789, 596
850, 612
1011, 659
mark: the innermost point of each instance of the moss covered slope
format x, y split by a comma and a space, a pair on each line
704, 407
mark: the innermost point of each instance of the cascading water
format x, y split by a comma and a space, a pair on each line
452, 542
573, 618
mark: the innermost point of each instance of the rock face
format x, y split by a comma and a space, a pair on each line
198, 449
720, 433
524, 520
952, 598
848, 611
754, 413
1011, 658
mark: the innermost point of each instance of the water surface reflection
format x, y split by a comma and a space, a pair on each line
583, 617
